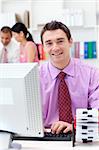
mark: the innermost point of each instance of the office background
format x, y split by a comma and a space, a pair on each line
82, 17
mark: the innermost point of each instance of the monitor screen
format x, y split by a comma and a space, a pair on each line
20, 100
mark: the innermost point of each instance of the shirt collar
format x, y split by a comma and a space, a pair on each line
69, 70
8, 46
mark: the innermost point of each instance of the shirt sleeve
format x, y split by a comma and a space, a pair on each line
93, 92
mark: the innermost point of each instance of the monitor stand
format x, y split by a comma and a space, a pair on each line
6, 141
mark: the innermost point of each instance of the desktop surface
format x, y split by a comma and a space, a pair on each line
56, 145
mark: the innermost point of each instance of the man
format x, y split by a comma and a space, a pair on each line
9, 49
82, 80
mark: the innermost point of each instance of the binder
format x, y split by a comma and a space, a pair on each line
85, 50
94, 52
77, 49
90, 50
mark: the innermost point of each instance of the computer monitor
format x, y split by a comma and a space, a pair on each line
20, 99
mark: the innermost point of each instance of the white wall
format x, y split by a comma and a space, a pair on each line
16, 6
89, 8
42, 11
46, 10
0, 5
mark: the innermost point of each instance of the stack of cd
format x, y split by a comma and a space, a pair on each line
87, 125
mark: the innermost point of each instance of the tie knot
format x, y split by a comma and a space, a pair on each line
61, 75
5, 49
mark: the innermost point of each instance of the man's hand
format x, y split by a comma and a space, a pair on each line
61, 126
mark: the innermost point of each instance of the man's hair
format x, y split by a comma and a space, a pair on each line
54, 25
6, 29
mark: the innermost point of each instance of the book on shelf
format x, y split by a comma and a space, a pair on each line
94, 52
84, 50
77, 49
90, 49
42, 53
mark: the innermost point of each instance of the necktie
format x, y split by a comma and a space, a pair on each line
64, 100
5, 56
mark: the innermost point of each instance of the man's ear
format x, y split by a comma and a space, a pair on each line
71, 41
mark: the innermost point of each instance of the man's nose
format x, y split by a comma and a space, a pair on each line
4, 41
55, 46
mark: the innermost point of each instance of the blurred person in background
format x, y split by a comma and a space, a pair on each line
9, 48
28, 48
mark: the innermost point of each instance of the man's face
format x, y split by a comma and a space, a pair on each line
5, 38
57, 45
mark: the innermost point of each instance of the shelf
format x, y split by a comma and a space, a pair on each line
92, 62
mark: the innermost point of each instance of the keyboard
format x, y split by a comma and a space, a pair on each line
48, 136
57, 137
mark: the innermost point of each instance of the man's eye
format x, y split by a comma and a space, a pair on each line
60, 41
49, 44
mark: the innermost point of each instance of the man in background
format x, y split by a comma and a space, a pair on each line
9, 49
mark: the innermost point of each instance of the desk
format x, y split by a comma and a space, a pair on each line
56, 145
